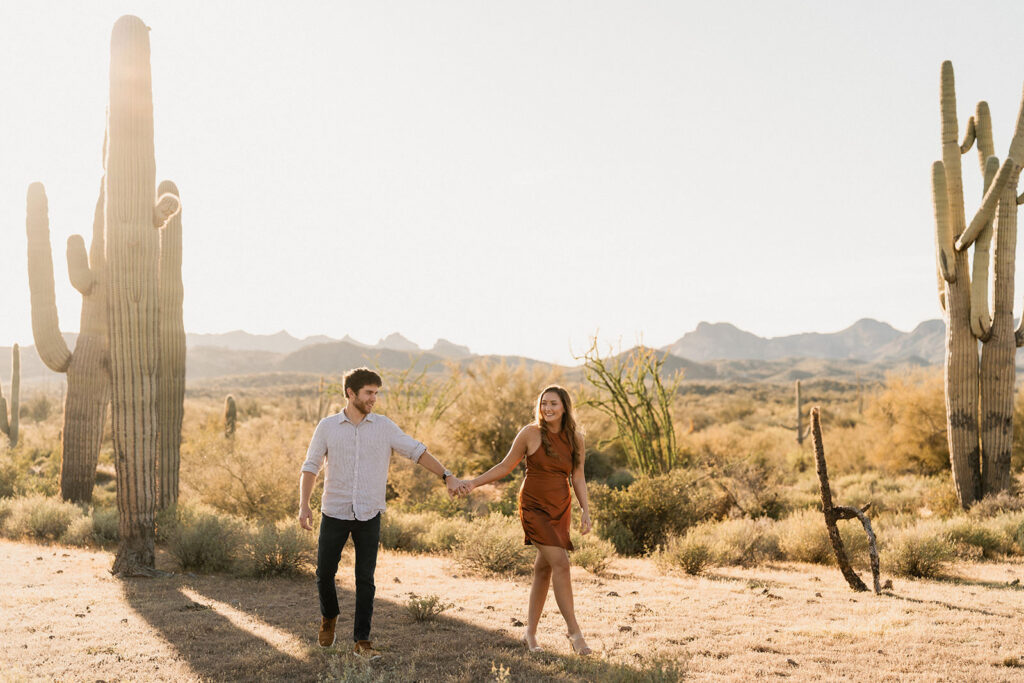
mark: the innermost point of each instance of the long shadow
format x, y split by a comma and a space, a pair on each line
948, 605
229, 628
995, 585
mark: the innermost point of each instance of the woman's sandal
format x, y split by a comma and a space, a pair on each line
529, 648
579, 646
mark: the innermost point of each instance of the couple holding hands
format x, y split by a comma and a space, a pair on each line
356, 447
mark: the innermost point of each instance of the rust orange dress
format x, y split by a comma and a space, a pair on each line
545, 506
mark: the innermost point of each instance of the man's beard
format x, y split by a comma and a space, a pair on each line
361, 406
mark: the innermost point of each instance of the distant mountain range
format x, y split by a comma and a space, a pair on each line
866, 340
713, 351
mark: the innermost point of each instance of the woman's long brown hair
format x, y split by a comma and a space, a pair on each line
568, 424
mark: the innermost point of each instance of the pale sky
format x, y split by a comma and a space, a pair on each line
516, 176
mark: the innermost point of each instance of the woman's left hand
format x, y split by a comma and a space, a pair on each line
585, 522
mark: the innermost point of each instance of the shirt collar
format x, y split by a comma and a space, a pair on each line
370, 417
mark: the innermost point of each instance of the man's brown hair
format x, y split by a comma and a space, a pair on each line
359, 378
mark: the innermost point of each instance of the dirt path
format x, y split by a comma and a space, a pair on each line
66, 618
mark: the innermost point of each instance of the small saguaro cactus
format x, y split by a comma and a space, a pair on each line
88, 367
9, 426
230, 417
979, 396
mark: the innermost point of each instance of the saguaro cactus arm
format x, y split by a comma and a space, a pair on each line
79, 273
981, 314
50, 344
943, 235
969, 136
167, 206
988, 206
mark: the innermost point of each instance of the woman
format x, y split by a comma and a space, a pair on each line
554, 454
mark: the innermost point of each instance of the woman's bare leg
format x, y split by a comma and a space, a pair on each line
538, 596
558, 559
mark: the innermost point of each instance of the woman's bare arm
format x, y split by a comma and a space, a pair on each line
515, 455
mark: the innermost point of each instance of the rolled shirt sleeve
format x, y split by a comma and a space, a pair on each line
316, 451
405, 444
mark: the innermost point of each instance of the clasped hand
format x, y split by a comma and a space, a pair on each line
458, 487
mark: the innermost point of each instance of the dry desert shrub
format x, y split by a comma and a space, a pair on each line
206, 540
803, 537
907, 423
255, 475
996, 504
744, 542
922, 550
493, 404
38, 517
688, 553
427, 607
592, 553
281, 549
494, 545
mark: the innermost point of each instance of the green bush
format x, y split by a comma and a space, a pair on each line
684, 552
920, 551
641, 517
494, 545
39, 517
282, 549
592, 553
206, 541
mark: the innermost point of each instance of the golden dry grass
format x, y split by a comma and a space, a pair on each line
67, 618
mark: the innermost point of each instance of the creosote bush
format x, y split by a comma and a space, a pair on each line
742, 541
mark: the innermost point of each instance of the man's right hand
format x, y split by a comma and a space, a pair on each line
306, 518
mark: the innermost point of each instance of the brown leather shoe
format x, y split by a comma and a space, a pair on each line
364, 649
327, 635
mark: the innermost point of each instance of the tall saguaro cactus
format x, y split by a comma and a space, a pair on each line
171, 392
133, 246
979, 452
10, 426
88, 367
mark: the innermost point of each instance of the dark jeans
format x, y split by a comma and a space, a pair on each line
366, 539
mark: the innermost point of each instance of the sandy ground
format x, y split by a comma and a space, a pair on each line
67, 618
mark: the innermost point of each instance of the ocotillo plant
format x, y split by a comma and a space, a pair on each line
171, 388
87, 368
230, 417
979, 454
10, 426
131, 211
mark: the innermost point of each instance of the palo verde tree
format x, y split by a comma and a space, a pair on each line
979, 394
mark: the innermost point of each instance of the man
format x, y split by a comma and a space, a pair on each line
357, 446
